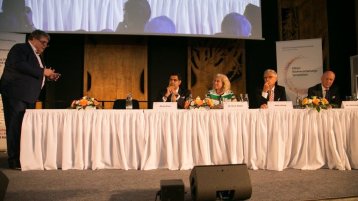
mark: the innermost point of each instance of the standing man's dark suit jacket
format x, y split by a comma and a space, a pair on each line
280, 95
184, 94
20, 87
22, 76
333, 94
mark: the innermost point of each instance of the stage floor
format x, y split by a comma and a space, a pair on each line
142, 185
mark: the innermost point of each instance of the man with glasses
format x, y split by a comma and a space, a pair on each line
270, 91
21, 83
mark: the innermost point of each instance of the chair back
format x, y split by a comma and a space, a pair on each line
121, 104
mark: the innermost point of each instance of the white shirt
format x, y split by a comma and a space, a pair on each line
265, 93
40, 62
324, 90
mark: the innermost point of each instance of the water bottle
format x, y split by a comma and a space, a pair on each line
129, 103
188, 101
189, 98
241, 97
246, 98
298, 101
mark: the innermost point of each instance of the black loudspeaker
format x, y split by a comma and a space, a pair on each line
4, 182
172, 190
220, 182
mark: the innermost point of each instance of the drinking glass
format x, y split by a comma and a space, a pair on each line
241, 98
246, 98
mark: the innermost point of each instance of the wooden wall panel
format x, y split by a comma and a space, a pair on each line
305, 19
210, 57
114, 67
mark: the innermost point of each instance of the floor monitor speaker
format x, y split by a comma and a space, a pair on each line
172, 190
220, 182
4, 182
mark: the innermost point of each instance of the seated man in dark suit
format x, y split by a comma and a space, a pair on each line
326, 89
174, 92
270, 90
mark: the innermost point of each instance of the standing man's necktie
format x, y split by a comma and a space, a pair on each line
271, 98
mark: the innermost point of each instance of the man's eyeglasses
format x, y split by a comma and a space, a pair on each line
44, 42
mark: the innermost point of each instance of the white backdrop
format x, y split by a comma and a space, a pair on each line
299, 65
195, 17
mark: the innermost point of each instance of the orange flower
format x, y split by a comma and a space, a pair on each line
325, 101
83, 102
198, 102
315, 101
305, 101
209, 102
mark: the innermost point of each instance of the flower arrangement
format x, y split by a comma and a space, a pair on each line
316, 103
198, 103
85, 103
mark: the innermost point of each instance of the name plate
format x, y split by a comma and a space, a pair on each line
279, 105
165, 106
349, 104
235, 105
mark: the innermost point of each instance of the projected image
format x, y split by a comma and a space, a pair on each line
215, 18
15, 16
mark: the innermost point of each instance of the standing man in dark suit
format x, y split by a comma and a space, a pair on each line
21, 83
326, 89
270, 90
174, 92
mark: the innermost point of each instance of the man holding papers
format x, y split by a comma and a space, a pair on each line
21, 83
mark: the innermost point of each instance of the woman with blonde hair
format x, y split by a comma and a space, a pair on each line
221, 91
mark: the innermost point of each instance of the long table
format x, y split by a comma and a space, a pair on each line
179, 140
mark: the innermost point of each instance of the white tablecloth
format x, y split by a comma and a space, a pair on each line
149, 139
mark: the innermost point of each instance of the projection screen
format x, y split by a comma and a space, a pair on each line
203, 18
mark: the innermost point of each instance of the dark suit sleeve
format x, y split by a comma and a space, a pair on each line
283, 96
159, 97
309, 92
259, 100
335, 97
20, 59
22, 77
312, 92
315, 91
184, 94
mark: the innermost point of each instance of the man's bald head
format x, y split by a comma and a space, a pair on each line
327, 78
